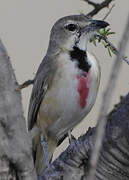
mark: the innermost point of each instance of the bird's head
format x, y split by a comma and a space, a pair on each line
73, 31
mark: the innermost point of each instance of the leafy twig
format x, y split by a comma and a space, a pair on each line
107, 96
111, 47
102, 37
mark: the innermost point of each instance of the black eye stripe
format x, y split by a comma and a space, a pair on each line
71, 27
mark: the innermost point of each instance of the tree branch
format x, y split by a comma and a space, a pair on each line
113, 48
97, 6
113, 161
15, 144
25, 84
92, 3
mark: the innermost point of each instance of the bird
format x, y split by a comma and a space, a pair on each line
65, 85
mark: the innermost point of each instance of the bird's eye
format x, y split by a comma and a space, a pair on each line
71, 27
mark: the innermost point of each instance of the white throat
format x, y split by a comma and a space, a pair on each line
82, 44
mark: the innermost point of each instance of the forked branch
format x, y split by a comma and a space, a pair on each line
97, 6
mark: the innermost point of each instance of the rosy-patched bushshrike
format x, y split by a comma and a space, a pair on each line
65, 85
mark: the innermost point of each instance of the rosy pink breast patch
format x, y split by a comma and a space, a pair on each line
84, 81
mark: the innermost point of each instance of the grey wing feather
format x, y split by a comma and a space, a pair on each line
38, 91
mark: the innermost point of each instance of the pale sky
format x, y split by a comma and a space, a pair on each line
25, 28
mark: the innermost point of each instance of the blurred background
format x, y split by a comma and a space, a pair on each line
25, 28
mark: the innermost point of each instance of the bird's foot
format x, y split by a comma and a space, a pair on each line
71, 137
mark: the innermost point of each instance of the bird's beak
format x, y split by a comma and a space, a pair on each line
98, 24
95, 25
88, 31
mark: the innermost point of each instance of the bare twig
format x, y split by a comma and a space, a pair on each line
25, 84
91, 3
107, 96
110, 9
113, 48
97, 6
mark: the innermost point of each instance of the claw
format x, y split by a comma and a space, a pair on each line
71, 137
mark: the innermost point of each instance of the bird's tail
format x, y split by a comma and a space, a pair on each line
39, 157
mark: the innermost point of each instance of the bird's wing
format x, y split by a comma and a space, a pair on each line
39, 90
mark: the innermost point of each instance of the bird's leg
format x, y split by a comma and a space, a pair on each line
39, 177
44, 148
71, 137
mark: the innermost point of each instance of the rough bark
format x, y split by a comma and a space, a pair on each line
15, 144
113, 161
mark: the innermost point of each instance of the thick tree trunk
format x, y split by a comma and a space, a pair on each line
15, 144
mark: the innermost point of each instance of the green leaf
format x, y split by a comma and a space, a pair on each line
109, 51
109, 33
